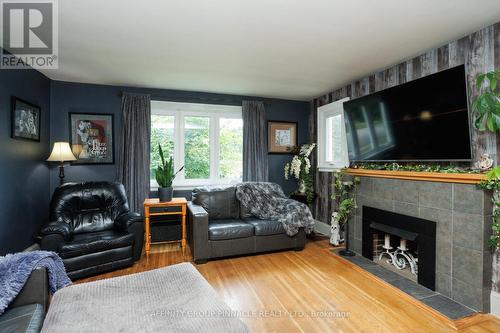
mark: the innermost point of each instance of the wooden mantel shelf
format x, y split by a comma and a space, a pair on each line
462, 178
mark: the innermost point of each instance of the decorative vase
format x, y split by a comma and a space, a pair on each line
165, 194
302, 187
335, 230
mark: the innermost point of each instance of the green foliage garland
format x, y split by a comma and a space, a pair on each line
415, 167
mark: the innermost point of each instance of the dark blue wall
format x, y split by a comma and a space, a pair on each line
24, 174
76, 97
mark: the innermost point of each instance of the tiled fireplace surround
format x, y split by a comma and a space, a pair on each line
463, 217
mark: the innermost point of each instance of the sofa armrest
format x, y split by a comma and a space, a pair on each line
35, 290
198, 220
133, 223
59, 228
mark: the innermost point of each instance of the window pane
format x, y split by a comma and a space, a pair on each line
334, 139
231, 149
162, 132
197, 147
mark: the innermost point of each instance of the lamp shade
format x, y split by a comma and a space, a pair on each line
61, 152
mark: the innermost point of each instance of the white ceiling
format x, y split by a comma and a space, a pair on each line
295, 49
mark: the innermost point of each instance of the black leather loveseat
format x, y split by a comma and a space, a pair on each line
92, 229
27, 311
220, 227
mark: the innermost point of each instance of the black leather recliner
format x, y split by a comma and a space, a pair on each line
92, 229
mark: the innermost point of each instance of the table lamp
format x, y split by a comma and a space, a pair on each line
61, 152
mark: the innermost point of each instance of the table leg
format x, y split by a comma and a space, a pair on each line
147, 243
183, 234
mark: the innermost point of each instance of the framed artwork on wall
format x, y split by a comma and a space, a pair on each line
25, 120
281, 137
91, 136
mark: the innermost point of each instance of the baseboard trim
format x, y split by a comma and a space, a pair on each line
32, 247
495, 304
322, 228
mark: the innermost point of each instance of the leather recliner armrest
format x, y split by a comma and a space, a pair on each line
133, 223
59, 228
198, 219
123, 221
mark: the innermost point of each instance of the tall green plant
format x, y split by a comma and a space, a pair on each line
165, 174
486, 106
345, 202
492, 183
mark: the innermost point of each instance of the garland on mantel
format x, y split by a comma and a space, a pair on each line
415, 167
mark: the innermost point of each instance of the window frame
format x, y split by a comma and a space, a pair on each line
333, 109
180, 110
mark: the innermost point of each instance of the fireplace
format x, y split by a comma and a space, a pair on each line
408, 234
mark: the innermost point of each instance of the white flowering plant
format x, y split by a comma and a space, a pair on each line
300, 169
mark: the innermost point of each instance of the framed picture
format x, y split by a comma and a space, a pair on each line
92, 138
25, 120
281, 137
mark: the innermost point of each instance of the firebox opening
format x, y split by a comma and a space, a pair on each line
396, 254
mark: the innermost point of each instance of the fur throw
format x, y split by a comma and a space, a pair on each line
267, 201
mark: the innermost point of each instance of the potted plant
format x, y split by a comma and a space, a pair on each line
492, 183
486, 106
345, 203
486, 109
300, 169
165, 176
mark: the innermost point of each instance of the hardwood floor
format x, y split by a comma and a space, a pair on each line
311, 291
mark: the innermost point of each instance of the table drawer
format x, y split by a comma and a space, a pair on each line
168, 209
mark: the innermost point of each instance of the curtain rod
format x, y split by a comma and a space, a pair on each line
207, 100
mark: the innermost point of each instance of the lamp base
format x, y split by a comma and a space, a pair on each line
347, 253
61, 174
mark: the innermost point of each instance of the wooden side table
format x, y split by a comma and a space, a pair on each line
153, 207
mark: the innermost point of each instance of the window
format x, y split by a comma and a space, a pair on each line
332, 143
207, 139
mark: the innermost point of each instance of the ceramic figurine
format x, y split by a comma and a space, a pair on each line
335, 230
485, 162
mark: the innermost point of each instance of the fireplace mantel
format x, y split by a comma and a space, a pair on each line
461, 178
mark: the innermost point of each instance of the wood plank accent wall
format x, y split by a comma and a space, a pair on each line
480, 52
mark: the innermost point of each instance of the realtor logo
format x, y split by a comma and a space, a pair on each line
29, 36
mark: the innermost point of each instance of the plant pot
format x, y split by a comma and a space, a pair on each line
165, 194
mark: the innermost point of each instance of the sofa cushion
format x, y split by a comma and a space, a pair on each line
266, 227
27, 318
220, 202
245, 212
93, 242
229, 229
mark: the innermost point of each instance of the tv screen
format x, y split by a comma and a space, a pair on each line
422, 120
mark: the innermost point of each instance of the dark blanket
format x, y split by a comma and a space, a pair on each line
267, 201
15, 270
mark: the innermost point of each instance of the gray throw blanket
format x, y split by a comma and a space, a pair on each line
267, 201
15, 270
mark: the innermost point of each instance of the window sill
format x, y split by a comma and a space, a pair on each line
192, 186
330, 169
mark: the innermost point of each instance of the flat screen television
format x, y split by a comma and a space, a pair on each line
422, 120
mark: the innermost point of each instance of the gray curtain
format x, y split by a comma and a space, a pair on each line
133, 167
255, 163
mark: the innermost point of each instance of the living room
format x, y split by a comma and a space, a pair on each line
249, 166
